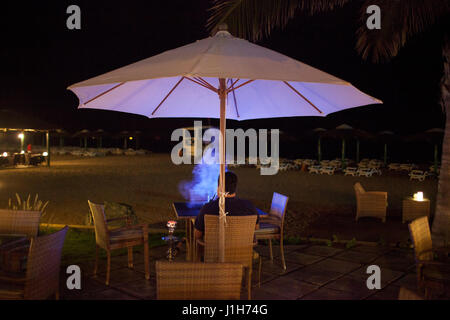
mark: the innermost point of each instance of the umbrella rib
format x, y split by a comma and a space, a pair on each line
233, 84
296, 91
208, 84
242, 84
103, 93
170, 92
234, 96
202, 84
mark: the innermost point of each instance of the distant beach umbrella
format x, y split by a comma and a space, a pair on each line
83, 135
319, 132
385, 137
432, 136
346, 132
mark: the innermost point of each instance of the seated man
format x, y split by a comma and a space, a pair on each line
233, 206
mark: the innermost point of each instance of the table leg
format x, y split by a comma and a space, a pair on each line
188, 240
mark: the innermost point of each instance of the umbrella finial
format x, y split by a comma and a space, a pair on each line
222, 27
222, 30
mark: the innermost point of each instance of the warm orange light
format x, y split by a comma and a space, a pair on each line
131, 138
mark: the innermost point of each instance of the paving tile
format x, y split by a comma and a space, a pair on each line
121, 276
314, 275
356, 256
144, 289
276, 268
263, 294
88, 286
339, 266
409, 281
371, 249
302, 258
388, 293
290, 289
265, 277
394, 262
323, 251
387, 275
357, 287
109, 294
329, 294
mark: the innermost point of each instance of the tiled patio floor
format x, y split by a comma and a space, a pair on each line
314, 272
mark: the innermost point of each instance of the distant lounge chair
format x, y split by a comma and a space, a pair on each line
314, 169
370, 203
407, 166
394, 166
365, 172
327, 170
351, 171
418, 175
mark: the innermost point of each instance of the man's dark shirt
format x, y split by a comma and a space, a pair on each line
234, 207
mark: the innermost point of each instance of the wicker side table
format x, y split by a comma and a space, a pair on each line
413, 209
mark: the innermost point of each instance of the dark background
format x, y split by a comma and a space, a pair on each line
40, 58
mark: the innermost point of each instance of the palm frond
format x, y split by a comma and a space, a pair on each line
400, 20
255, 19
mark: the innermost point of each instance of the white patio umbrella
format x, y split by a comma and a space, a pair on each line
250, 81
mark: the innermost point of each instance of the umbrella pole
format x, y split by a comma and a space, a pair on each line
343, 154
357, 151
319, 150
221, 235
435, 159
385, 155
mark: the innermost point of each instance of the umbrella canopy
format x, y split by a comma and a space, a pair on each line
250, 82
261, 84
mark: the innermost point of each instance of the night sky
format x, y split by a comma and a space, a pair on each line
40, 57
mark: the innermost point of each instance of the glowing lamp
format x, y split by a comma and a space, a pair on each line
418, 196
5, 154
45, 154
22, 152
20, 136
131, 138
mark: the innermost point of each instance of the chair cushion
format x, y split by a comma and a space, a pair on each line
130, 234
267, 228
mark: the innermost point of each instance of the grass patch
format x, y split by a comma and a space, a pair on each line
79, 245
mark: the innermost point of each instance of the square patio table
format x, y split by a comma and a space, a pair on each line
188, 211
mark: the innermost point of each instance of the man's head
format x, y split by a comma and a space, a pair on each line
230, 182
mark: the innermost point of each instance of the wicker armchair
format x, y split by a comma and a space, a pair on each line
198, 281
272, 226
126, 237
20, 223
432, 274
370, 203
41, 280
239, 232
